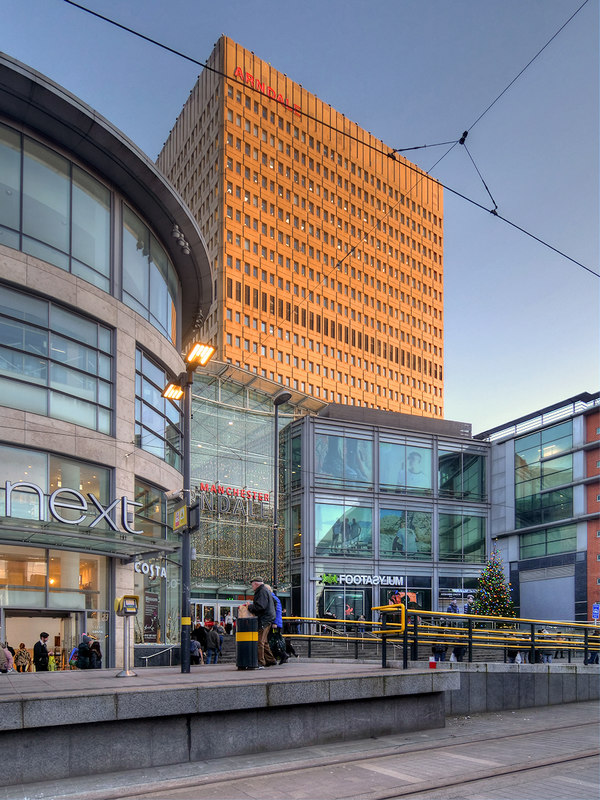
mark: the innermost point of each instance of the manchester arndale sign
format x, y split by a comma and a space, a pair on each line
70, 499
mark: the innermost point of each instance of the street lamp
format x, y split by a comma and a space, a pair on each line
280, 398
198, 355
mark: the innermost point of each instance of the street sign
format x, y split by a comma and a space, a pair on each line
180, 518
596, 611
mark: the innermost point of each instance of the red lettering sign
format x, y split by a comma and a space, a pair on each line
250, 80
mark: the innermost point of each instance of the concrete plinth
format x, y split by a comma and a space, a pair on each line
77, 723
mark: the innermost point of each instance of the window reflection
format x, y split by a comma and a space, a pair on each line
405, 534
404, 468
343, 530
346, 460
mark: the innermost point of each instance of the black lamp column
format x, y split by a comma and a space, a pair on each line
186, 539
278, 400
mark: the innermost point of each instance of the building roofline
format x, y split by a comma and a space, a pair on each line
33, 100
577, 404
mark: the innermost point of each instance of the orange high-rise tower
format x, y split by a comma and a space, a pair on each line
326, 246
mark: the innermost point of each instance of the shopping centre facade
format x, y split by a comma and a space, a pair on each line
96, 299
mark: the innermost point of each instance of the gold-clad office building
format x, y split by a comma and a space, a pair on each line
327, 246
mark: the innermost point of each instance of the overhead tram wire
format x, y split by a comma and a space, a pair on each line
390, 153
529, 63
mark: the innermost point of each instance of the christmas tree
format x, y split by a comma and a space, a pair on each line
493, 594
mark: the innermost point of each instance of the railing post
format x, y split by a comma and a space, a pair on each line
356, 649
415, 642
405, 646
586, 651
384, 640
470, 635
532, 645
309, 645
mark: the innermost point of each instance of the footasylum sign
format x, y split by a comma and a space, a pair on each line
361, 580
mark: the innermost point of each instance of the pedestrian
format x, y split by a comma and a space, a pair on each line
276, 640
22, 658
83, 652
228, 624
199, 634
439, 649
95, 655
468, 609
40, 653
9, 657
546, 654
459, 651
212, 646
3, 661
220, 633
195, 652
452, 608
361, 623
263, 608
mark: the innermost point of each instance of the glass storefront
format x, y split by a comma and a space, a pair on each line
156, 579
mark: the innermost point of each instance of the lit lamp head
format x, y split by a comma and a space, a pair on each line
173, 392
199, 354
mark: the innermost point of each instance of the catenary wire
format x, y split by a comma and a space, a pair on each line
389, 153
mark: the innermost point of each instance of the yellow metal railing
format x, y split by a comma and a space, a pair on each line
411, 628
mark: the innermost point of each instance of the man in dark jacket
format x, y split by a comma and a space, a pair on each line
84, 652
40, 653
263, 608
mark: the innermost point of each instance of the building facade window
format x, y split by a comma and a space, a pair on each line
405, 468
157, 420
461, 475
55, 362
537, 544
343, 529
343, 459
405, 534
543, 467
150, 284
461, 537
52, 209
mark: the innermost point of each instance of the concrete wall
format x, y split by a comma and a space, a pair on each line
500, 687
83, 732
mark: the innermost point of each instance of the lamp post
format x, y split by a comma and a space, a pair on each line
280, 398
198, 356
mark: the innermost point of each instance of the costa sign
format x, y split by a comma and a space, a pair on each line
72, 500
257, 84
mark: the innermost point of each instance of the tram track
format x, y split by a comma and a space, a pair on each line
227, 782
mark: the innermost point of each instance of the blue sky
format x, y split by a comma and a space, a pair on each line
521, 322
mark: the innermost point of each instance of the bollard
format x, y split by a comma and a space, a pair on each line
246, 643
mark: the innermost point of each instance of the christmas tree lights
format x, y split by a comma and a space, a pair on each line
493, 593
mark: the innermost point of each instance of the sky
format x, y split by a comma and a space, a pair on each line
521, 321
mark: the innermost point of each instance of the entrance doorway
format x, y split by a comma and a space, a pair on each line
207, 612
64, 631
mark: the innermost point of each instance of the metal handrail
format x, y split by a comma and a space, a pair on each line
504, 633
160, 652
